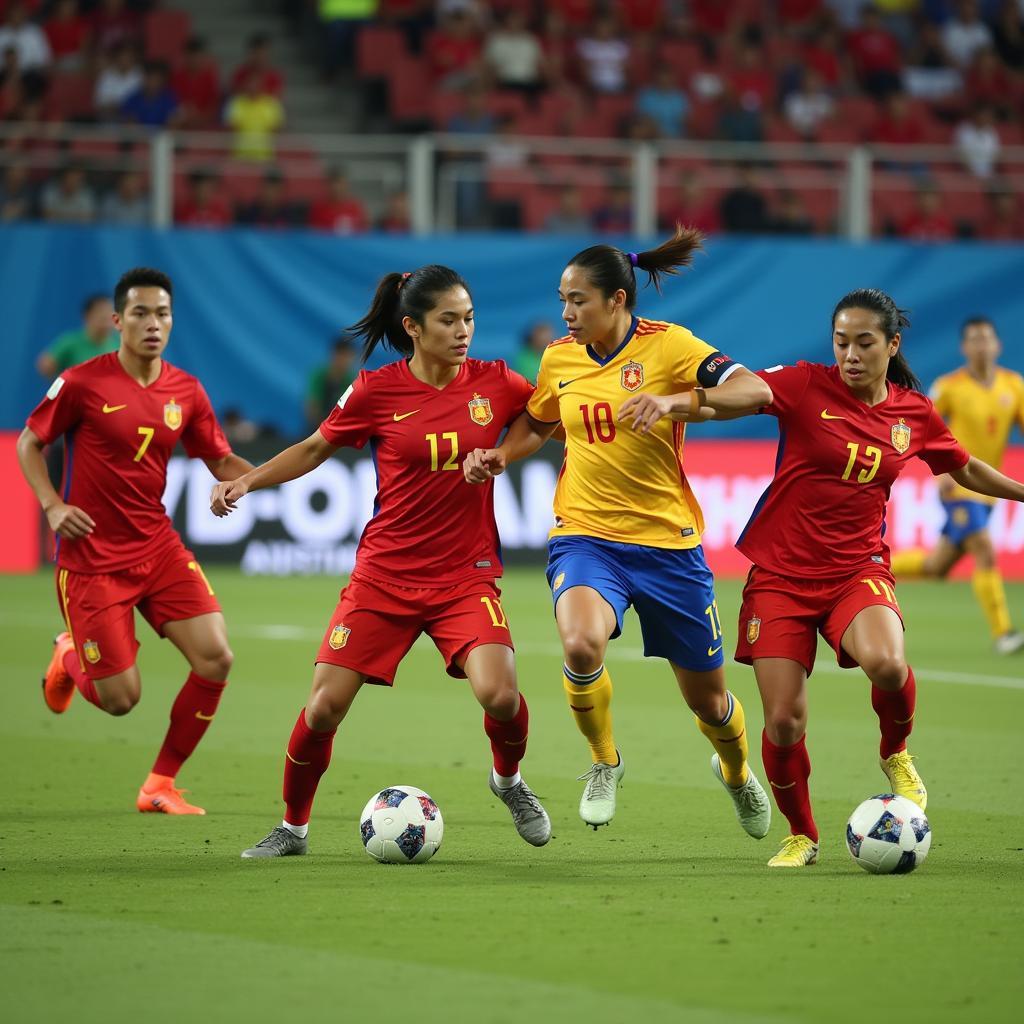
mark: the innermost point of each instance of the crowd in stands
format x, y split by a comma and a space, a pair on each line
888, 73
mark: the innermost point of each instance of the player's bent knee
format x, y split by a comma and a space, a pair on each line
324, 712
119, 704
583, 652
886, 671
785, 728
503, 705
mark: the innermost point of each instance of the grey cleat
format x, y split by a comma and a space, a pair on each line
280, 843
753, 808
528, 816
597, 805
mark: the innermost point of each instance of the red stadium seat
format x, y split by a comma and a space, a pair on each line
165, 34
410, 89
379, 48
70, 97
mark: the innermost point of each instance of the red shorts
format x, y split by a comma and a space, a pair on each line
99, 607
376, 623
781, 615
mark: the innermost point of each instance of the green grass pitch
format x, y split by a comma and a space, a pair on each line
667, 915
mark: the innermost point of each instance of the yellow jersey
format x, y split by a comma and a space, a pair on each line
980, 417
616, 484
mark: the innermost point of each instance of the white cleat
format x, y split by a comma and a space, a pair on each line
753, 808
597, 805
1009, 643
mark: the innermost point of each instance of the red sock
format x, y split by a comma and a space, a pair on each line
307, 758
508, 739
85, 686
191, 714
895, 710
788, 769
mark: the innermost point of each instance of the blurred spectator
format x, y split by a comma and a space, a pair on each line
790, 216
665, 102
930, 74
237, 428
897, 125
615, 215
514, 54
95, 337
978, 142
341, 212
114, 24
641, 128
965, 34
26, 37
569, 218
604, 56
641, 15
505, 152
257, 62
68, 199
254, 116
475, 118
341, 21
821, 54
577, 13
810, 105
799, 14
128, 204
204, 206
738, 123
927, 222
17, 195
988, 82
67, 32
875, 53
121, 76
536, 339
752, 79
558, 46
395, 219
196, 83
1008, 34
271, 207
454, 51
329, 382
12, 91
1004, 218
743, 208
692, 208
154, 103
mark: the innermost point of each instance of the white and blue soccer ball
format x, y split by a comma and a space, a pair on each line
888, 835
401, 825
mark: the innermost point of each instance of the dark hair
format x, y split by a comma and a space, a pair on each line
403, 295
140, 277
91, 301
892, 320
976, 321
610, 269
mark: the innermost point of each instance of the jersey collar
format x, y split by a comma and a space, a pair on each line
625, 341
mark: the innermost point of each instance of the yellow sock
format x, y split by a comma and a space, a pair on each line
988, 589
591, 707
730, 741
909, 564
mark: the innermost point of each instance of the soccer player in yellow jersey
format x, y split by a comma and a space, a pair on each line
627, 526
981, 402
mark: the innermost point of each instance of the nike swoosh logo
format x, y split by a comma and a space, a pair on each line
565, 383
113, 408
204, 718
293, 761
405, 415
714, 650
775, 785
589, 707
826, 415
905, 720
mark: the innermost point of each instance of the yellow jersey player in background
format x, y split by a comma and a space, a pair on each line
627, 526
981, 402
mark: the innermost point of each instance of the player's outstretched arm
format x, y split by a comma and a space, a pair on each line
229, 468
68, 521
524, 437
981, 477
290, 464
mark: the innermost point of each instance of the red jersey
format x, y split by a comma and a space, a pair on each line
119, 437
429, 528
823, 514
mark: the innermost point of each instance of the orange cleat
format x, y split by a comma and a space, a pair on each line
58, 686
164, 798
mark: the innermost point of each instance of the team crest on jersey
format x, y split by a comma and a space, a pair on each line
632, 375
91, 650
480, 410
338, 637
900, 436
172, 414
753, 629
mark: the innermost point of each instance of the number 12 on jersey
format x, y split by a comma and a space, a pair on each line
435, 454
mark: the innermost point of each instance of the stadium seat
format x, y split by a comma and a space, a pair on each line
165, 33
70, 97
379, 48
410, 90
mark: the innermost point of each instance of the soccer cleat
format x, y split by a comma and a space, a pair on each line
796, 852
903, 778
165, 800
753, 808
282, 842
528, 816
597, 805
58, 686
1009, 643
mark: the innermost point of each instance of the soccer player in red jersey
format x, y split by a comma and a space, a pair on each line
428, 559
816, 540
122, 414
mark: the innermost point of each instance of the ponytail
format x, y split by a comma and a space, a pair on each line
892, 320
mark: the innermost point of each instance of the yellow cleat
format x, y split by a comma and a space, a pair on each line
903, 778
796, 852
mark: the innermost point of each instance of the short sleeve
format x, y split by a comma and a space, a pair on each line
203, 437
942, 452
58, 412
543, 404
695, 362
788, 384
520, 391
350, 423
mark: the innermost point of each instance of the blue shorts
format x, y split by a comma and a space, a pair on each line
964, 518
672, 591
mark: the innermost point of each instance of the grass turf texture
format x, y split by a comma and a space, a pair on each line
668, 914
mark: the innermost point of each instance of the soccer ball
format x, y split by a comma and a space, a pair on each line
401, 825
888, 835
